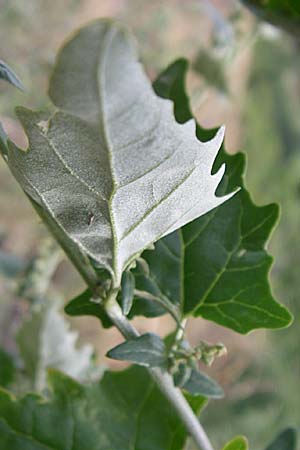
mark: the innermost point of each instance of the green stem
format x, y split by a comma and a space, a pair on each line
164, 303
162, 379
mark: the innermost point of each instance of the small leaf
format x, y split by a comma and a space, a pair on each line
83, 305
147, 350
7, 369
124, 411
127, 291
197, 383
238, 443
45, 341
7, 74
120, 189
286, 440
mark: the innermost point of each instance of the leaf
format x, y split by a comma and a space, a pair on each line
7, 74
238, 443
127, 291
124, 411
7, 369
216, 266
119, 188
282, 13
197, 383
147, 350
82, 305
45, 341
286, 440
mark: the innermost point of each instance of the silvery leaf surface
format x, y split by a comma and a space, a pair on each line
112, 168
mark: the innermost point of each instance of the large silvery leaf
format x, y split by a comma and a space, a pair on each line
112, 167
125, 411
216, 266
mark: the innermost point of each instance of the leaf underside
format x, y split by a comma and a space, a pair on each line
125, 411
147, 350
112, 170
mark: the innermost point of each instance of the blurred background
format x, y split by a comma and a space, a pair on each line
244, 74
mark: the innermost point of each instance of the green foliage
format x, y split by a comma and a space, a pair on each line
123, 411
111, 172
238, 443
7, 369
283, 13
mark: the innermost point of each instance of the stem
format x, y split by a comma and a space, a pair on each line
165, 303
163, 379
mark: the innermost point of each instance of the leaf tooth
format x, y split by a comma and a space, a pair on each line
189, 126
212, 147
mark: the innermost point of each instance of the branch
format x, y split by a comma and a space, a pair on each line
163, 379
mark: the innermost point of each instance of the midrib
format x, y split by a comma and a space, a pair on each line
101, 66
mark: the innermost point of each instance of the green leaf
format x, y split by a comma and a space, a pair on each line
45, 341
286, 440
127, 291
7, 74
124, 411
282, 13
238, 443
197, 383
147, 350
119, 188
83, 305
7, 369
216, 266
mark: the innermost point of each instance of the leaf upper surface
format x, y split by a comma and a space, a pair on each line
112, 166
125, 411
